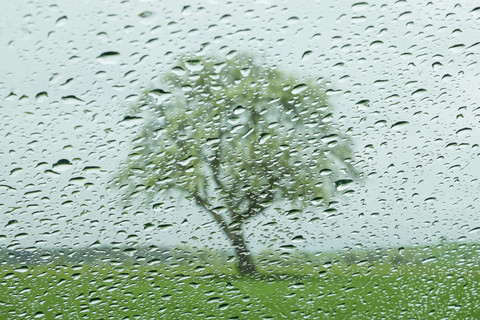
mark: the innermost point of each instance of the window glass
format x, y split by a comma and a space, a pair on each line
243, 160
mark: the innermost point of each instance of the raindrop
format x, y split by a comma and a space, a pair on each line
159, 92
299, 88
41, 96
399, 125
132, 119
179, 71
11, 223
418, 92
474, 230
94, 301
71, 99
245, 71
343, 184
62, 165
299, 238
145, 14
61, 21
109, 57
194, 65
238, 110
325, 172
306, 55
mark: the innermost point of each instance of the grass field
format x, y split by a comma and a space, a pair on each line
430, 290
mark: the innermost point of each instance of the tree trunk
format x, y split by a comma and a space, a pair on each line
235, 234
246, 265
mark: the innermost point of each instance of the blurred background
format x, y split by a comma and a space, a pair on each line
402, 76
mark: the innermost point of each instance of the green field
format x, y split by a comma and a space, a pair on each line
431, 289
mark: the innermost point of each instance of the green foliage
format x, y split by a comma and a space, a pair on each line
237, 135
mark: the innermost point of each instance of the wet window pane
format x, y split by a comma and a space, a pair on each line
239, 160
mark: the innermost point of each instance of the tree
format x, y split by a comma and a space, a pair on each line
234, 136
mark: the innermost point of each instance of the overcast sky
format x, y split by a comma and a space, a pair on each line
416, 62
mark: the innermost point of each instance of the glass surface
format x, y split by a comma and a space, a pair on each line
239, 160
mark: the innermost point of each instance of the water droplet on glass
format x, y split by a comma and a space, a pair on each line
109, 57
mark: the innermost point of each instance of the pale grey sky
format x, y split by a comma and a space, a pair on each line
416, 62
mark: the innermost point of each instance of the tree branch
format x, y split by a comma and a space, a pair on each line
223, 224
215, 166
255, 206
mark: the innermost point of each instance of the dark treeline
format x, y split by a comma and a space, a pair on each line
183, 255
82, 255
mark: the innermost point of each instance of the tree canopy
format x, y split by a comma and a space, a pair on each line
236, 135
